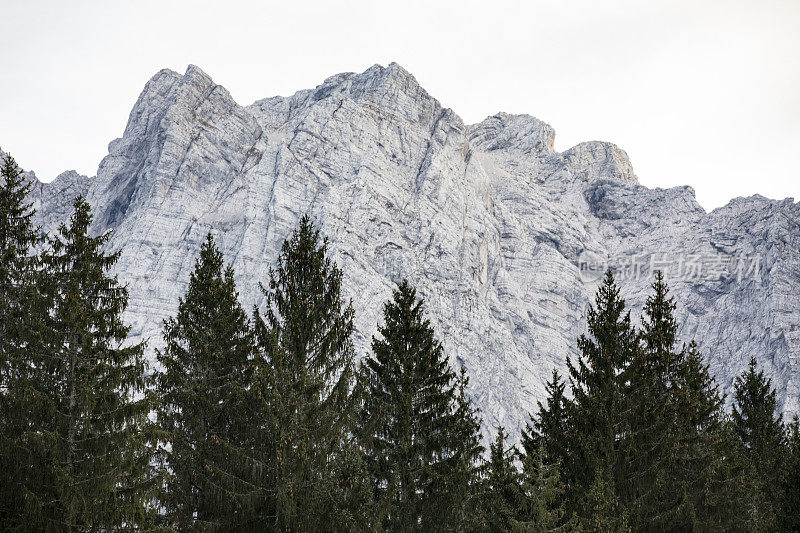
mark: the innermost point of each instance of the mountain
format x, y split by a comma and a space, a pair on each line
502, 235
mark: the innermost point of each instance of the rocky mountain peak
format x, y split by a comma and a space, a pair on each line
503, 131
488, 221
391, 89
598, 160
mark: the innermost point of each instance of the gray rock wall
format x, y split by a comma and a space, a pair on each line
488, 220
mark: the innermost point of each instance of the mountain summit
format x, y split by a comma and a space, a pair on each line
489, 222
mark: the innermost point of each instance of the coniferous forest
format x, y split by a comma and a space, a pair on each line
267, 419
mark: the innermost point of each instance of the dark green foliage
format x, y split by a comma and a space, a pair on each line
598, 410
545, 449
454, 494
682, 471
651, 416
648, 446
420, 431
346, 489
761, 436
543, 494
20, 302
790, 479
754, 413
600, 509
18, 236
705, 477
269, 425
548, 428
308, 383
208, 410
501, 492
86, 448
699, 403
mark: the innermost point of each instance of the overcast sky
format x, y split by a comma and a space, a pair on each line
703, 93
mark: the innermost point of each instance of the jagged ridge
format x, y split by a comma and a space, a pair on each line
488, 220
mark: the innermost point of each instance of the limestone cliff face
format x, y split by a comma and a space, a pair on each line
487, 220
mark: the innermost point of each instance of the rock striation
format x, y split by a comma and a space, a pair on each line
501, 233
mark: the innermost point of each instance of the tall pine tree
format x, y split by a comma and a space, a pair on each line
790, 479
761, 435
20, 303
18, 236
546, 449
705, 474
502, 499
87, 443
453, 497
215, 462
597, 412
309, 385
651, 418
547, 428
543, 495
421, 440
600, 508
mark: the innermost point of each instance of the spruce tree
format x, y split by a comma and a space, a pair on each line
548, 427
600, 508
543, 494
706, 475
18, 236
597, 412
20, 303
456, 481
680, 472
421, 436
761, 435
87, 444
502, 498
546, 450
208, 409
696, 460
346, 490
651, 420
309, 383
790, 479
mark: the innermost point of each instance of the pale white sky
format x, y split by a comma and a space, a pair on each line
704, 93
